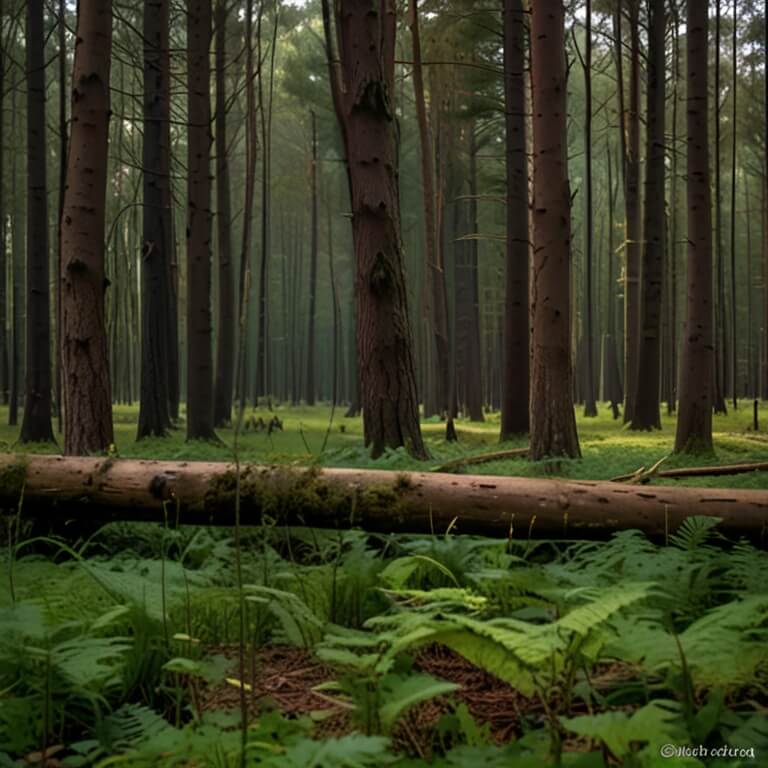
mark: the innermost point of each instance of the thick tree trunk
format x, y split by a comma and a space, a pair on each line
227, 308
36, 423
764, 383
553, 422
505, 507
63, 152
199, 230
694, 421
647, 414
154, 399
364, 107
516, 353
4, 356
85, 367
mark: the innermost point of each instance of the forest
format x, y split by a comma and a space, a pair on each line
384, 383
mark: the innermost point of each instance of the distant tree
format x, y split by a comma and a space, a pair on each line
227, 308
155, 398
36, 424
694, 421
310, 392
363, 92
514, 399
85, 369
553, 422
646, 413
199, 225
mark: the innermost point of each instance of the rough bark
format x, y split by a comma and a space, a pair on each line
154, 399
225, 326
375, 500
553, 422
764, 383
199, 228
694, 421
647, 413
36, 424
4, 337
734, 157
366, 42
63, 152
516, 353
85, 368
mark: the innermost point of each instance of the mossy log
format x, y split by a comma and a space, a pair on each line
58, 488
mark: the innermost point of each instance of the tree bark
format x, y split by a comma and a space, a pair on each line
516, 354
87, 396
36, 424
154, 400
694, 421
504, 507
199, 229
552, 418
225, 327
4, 304
647, 413
63, 152
435, 272
364, 108
764, 383
632, 207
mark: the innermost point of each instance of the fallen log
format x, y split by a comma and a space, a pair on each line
63, 488
481, 458
711, 471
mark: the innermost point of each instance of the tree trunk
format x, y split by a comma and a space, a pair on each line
721, 365
36, 423
364, 107
311, 390
764, 384
505, 507
553, 422
590, 397
632, 206
647, 414
734, 324
85, 367
199, 230
225, 327
435, 273
516, 354
63, 152
154, 399
694, 421
4, 304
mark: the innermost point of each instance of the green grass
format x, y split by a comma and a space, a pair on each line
609, 449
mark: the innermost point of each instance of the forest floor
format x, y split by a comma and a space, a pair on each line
609, 448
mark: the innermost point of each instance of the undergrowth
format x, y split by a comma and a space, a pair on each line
109, 649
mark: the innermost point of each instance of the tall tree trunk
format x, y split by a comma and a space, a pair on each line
694, 421
225, 327
734, 325
632, 206
552, 418
516, 364
435, 273
85, 368
590, 397
611, 373
199, 229
63, 150
18, 259
36, 424
4, 304
721, 357
764, 384
365, 111
647, 414
311, 387
154, 399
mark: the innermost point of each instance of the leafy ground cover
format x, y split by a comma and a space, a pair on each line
609, 449
373, 651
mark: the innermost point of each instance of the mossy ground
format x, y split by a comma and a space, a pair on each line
608, 447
